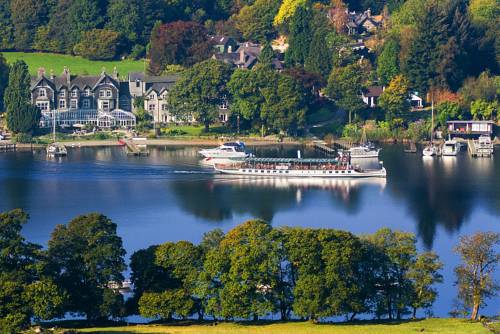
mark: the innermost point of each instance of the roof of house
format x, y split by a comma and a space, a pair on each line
373, 91
471, 121
136, 76
80, 82
220, 39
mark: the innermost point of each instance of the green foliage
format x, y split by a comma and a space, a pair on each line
125, 18
351, 131
319, 59
447, 111
255, 21
394, 99
266, 55
98, 44
165, 304
84, 257
418, 130
26, 16
18, 269
199, 91
46, 299
479, 258
484, 11
388, 61
345, 86
22, 117
4, 79
299, 37
484, 87
23, 138
484, 110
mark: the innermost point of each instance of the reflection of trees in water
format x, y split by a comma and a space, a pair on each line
16, 190
215, 200
439, 191
219, 198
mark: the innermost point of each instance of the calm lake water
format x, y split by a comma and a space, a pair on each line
170, 196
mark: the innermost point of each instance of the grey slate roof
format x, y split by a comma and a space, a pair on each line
373, 91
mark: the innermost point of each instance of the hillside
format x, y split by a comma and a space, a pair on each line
77, 65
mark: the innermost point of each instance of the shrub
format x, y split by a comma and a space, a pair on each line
24, 138
98, 44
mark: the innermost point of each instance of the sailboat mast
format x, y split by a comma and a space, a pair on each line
432, 119
54, 126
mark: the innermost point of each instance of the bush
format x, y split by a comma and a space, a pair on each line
98, 44
23, 138
101, 136
175, 132
138, 52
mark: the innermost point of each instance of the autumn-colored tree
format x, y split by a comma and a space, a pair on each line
98, 44
287, 11
182, 43
338, 16
394, 99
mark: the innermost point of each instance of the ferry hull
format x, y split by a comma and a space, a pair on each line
304, 173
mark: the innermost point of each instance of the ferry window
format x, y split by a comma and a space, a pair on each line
349, 172
269, 171
343, 172
330, 172
281, 172
336, 172
262, 171
285, 172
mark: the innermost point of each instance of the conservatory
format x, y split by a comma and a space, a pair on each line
94, 117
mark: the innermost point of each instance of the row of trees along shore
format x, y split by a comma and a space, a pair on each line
252, 271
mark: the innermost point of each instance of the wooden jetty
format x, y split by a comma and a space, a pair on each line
321, 146
479, 150
7, 147
135, 149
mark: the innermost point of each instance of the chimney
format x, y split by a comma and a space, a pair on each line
242, 56
41, 72
52, 75
369, 12
115, 73
67, 75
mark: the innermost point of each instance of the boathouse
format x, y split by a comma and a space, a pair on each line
470, 129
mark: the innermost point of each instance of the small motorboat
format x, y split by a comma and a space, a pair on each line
363, 151
450, 148
233, 150
56, 150
430, 151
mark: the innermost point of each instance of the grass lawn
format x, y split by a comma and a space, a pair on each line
76, 65
442, 326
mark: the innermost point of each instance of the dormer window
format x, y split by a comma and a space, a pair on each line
152, 96
42, 92
101, 93
88, 92
74, 93
62, 93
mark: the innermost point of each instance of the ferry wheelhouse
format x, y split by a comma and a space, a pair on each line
297, 167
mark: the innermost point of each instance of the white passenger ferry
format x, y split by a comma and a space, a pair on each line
297, 167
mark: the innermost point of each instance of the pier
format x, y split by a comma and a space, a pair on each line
135, 149
7, 147
479, 150
337, 144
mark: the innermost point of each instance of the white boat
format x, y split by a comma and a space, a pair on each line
363, 151
430, 151
298, 167
484, 146
451, 147
56, 150
232, 150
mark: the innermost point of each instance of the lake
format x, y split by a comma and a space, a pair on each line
170, 196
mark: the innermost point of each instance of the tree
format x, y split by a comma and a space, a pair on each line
481, 109
287, 11
85, 257
255, 21
180, 43
475, 280
388, 61
124, 18
446, 111
319, 59
247, 265
484, 11
338, 15
27, 16
266, 55
4, 79
22, 117
484, 87
394, 99
84, 15
199, 91
98, 44
345, 86
299, 37
18, 269
6, 27
424, 274
393, 256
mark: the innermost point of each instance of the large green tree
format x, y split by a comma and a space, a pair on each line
255, 21
344, 86
388, 61
4, 79
199, 91
6, 28
319, 59
475, 275
299, 37
124, 17
25, 292
27, 16
394, 99
22, 117
85, 257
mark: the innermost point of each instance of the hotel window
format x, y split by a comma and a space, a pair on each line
152, 97
42, 93
151, 107
86, 104
164, 107
105, 105
74, 93
62, 104
73, 104
108, 93
101, 93
62, 93
88, 92
43, 106
137, 83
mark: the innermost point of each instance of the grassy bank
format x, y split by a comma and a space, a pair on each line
443, 326
76, 65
